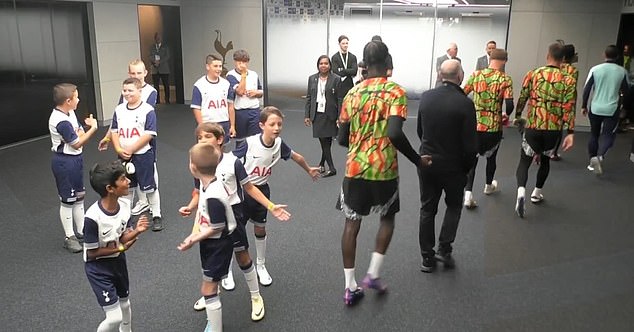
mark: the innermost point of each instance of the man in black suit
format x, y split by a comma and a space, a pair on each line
447, 129
344, 64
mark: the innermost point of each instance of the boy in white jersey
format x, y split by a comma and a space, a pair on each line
234, 179
108, 235
209, 98
133, 127
67, 139
259, 154
136, 69
213, 225
246, 91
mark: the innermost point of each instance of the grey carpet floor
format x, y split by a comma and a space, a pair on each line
568, 266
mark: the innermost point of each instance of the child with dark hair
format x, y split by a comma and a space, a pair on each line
108, 234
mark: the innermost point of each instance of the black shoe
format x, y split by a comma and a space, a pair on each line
322, 169
429, 264
446, 259
157, 224
329, 173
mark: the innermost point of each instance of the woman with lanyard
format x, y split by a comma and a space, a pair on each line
323, 101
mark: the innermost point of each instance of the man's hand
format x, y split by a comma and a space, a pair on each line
425, 160
232, 131
584, 111
568, 142
307, 122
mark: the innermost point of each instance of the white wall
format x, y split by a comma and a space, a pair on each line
590, 25
240, 22
114, 43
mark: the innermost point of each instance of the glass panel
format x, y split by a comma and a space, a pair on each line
289, 24
471, 26
416, 32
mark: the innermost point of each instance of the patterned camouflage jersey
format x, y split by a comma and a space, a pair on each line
367, 106
550, 94
490, 87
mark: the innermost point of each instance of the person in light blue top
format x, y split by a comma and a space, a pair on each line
606, 82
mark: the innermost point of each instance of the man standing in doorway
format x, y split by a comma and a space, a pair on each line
159, 57
344, 64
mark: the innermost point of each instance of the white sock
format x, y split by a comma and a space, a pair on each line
66, 216
351, 282
260, 250
468, 195
213, 307
252, 280
375, 265
113, 319
521, 192
130, 195
155, 203
536, 192
230, 273
141, 196
78, 216
126, 314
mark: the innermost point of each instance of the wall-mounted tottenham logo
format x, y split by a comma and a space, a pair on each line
222, 49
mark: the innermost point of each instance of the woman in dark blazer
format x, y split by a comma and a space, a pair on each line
322, 110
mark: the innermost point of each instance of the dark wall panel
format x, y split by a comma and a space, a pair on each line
47, 43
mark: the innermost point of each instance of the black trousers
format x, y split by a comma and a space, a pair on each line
166, 86
432, 184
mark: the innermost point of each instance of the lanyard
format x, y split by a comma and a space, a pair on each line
345, 61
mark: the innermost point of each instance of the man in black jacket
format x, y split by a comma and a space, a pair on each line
344, 65
447, 129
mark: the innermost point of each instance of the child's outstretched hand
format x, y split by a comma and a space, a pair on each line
186, 244
279, 212
103, 144
314, 173
185, 211
142, 224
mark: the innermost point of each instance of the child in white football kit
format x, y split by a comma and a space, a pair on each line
136, 69
213, 225
209, 98
108, 234
67, 139
234, 179
133, 127
259, 154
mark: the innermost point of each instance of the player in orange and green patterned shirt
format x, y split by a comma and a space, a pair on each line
371, 126
491, 88
549, 92
570, 57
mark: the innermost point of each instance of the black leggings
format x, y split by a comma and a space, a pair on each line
490, 170
525, 163
326, 155
540, 141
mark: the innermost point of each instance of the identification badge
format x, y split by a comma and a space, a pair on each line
321, 107
157, 57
